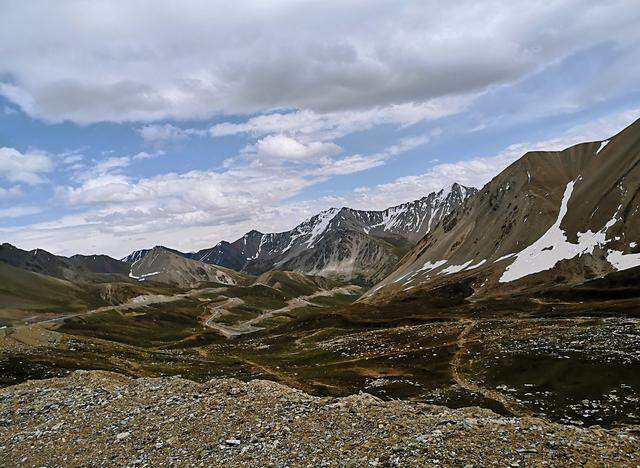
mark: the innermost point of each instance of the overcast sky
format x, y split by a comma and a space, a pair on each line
129, 124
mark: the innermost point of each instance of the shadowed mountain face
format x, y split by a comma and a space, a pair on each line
344, 243
549, 219
78, 267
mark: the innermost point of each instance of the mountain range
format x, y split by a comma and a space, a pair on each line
551, 219
352, 245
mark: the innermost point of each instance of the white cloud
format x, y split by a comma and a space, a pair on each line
309, 125
114, 61
28, 168
358, 162
145, 155
350, 165
11, 192
160, 133
287, 148
72, 158
108, 166
112, 163
19, 211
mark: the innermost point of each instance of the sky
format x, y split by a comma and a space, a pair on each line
125, 125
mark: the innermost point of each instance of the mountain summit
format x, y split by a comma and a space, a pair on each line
551, 218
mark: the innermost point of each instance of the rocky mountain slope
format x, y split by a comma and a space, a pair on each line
344, 243
139, 254
164, 266
96, 418
549, 219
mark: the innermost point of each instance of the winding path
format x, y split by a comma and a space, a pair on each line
461, 379
250, 326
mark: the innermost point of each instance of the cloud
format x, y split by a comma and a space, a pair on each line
350, 165
156, 133
28, 168
19, 211
11, 192
72, 158
358, 162
287, 148
144, 155
94, 62
111, 165
309, 125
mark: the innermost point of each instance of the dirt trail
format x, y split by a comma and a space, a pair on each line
228, 331
219, 310
303, 301
460, 378
250, 326
131, 304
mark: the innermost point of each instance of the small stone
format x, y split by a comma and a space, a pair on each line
123, 435
232, 442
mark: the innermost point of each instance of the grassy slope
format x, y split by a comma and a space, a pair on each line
22, 289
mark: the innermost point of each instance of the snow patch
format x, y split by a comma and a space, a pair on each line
504, 257
602, 145
263, 239
392, 216
621, 261
400, 278
480, 263
456, 268
432, 265
142, 277
553, 246
321, 225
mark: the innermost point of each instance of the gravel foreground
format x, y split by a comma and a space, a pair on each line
105, 419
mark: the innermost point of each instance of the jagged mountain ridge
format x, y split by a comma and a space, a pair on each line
347, 243
340, 242
549, 219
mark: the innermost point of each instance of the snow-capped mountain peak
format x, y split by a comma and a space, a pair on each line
342, 241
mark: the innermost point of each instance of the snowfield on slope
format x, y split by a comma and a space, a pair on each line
553, 247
